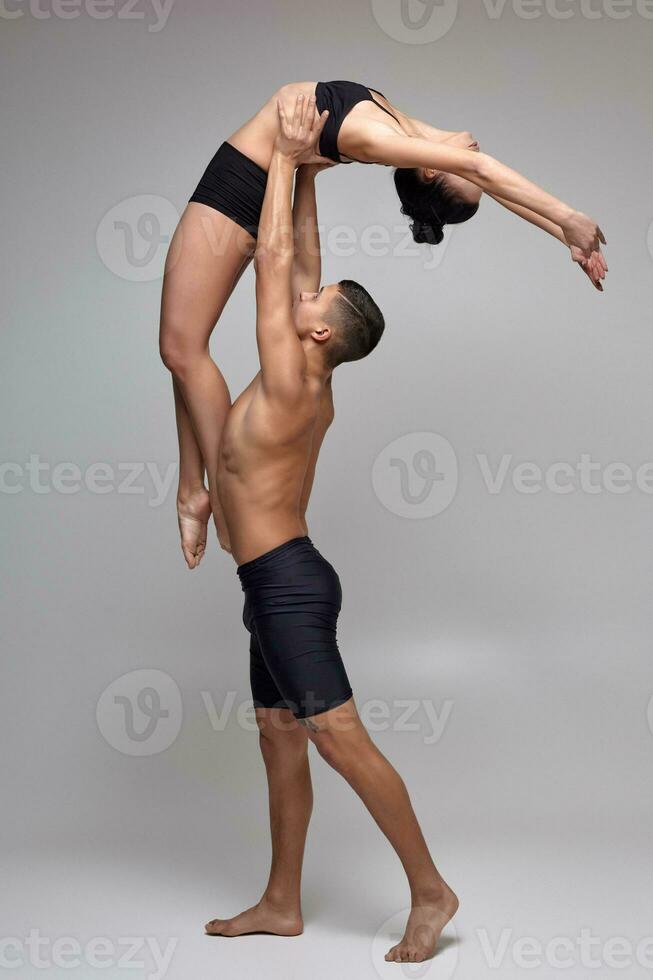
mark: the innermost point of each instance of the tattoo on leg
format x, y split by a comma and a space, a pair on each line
309, 723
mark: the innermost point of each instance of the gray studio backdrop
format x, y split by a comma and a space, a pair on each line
485, 495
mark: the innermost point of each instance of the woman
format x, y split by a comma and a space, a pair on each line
440, 178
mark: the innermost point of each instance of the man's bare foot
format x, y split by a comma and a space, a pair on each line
428, 917
193, 512
262, 917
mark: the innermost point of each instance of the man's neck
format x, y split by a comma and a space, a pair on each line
316, 368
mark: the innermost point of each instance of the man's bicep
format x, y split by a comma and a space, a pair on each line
305, 280
273, 285
273, 301
280, 352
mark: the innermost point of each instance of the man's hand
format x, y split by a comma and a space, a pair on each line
583, 233
298, 137
594, 267
321, 163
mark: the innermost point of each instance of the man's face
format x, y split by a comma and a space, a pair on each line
309, 309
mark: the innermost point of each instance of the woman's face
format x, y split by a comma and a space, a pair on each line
463, 189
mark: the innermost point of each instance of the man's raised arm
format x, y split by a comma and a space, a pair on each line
307, 270
280, 351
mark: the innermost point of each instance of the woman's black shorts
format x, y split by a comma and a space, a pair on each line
234, 185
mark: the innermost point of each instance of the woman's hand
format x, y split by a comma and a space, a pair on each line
298, 137
594, 268
582, 233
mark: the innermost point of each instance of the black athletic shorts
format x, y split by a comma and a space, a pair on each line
292, 600
234, 185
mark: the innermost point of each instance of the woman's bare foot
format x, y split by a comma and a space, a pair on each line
193, 512
428, 917
262, 917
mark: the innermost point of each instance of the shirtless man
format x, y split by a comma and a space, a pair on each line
292, 594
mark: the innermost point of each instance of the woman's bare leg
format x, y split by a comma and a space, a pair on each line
207, 256
284, 745
343, 741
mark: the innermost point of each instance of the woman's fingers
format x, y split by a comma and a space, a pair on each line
598, 260
591, 274
597, 274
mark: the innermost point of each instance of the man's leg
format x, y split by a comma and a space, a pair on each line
342, 740
284, 746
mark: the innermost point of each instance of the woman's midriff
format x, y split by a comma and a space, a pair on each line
256, 137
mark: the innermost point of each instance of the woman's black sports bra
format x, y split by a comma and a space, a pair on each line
340, 98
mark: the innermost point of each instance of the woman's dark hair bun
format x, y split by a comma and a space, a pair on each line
429, 205
427, 233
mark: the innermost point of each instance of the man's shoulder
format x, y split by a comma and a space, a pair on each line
298, 398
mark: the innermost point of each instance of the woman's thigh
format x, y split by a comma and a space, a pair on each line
207, 255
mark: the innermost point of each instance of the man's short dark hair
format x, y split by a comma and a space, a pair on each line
357, 320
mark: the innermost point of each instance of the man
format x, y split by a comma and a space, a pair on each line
292, 594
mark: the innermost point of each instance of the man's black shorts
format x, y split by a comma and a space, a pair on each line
292, 600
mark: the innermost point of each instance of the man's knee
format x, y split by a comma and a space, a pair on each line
279, 732
342, 749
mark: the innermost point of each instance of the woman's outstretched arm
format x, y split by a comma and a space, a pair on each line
373, 144
595, 267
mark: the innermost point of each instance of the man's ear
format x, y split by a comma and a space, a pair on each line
321, 334
430, 173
